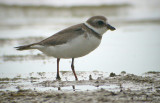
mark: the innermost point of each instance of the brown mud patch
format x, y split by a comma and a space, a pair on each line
122, 88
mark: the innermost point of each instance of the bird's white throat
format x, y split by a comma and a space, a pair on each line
100, 31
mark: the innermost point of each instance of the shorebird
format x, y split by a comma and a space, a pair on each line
73, 42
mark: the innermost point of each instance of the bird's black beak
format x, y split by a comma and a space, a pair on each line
111, 27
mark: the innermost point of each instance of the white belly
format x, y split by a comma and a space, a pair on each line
77, 47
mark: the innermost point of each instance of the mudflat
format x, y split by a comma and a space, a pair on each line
96, 88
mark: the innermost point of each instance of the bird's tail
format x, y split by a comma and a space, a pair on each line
24, 47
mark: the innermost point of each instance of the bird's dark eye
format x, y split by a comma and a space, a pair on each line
100, 22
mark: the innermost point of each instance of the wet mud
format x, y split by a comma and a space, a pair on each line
96, 88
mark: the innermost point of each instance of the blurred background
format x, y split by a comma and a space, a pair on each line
134, 47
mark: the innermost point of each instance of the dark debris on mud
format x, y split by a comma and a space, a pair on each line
98, 96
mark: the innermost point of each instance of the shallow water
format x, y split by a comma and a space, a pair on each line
134, 46
45, 81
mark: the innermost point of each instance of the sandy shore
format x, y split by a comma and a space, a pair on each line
122, 88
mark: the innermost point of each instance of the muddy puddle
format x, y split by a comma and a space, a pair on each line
92, 87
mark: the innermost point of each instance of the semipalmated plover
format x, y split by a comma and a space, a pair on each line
73, 42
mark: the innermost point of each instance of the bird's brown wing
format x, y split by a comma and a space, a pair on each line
63, 36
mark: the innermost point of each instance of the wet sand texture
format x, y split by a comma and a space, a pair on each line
123, 88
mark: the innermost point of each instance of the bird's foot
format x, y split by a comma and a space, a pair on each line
58, 78
76, 79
